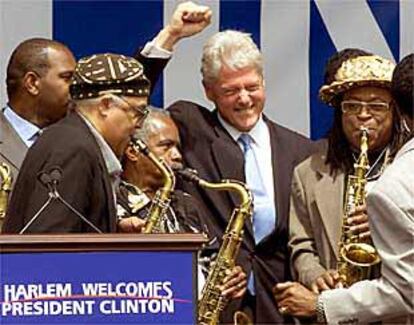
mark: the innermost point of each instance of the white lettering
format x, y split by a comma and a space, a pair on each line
14, 292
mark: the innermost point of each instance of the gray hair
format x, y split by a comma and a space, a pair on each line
233, 49
143, 132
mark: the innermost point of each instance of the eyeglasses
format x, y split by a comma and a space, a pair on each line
354, 107
140, 112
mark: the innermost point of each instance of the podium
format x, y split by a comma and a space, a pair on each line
99, 279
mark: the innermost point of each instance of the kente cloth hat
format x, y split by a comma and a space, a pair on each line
370, 70
101, 74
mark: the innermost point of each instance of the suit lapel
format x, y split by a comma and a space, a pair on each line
279, 171
329, 193
107, 182
12, 147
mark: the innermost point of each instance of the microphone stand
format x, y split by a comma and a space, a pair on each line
44, 206
50, 180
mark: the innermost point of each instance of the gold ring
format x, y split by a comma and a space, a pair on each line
283, 310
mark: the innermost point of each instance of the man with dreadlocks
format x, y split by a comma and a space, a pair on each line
390, 206
358, 87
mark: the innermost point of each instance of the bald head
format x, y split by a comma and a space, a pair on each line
29, 56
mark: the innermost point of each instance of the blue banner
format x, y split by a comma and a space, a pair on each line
97, 288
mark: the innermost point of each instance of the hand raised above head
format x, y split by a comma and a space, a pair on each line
188, 19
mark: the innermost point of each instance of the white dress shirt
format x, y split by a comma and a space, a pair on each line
27, 131
262, 148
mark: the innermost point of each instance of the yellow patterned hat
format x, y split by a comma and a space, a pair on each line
371, 70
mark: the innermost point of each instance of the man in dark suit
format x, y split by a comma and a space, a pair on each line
39, 74
238, 141
111, 94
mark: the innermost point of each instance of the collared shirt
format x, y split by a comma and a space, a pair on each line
27, 131
112, 163
261, 146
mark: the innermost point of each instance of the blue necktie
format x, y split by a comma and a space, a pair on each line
263, 208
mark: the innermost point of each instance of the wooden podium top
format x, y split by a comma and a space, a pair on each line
100, 242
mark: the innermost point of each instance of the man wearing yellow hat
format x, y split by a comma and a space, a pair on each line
358, 86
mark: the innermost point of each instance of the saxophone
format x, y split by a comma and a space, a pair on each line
356, 258
162, 198
5, 188
212, 302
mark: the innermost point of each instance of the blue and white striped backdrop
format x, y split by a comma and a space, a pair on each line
296, 37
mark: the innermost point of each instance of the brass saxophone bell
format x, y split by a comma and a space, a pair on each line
241, 318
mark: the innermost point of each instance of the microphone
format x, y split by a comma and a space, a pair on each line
51, 180
55, 174
46, 180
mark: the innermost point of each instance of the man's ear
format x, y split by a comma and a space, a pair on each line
131, 154
208, 91
31, 82
105, 105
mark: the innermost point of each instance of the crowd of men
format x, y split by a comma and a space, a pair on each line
67, 128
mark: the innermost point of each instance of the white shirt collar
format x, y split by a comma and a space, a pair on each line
112, 162
26, 130
258, 133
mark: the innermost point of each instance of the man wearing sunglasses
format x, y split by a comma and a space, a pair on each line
358, 87
110, 93
390, 207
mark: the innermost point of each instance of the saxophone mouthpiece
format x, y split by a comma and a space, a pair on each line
363, 130
139, 145
188, 174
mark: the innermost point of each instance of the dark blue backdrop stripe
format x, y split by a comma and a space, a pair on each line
241, 15
387, 15
89, 27
321, 48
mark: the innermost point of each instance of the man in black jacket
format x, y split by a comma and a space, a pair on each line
237, 141
111, 94
39, 73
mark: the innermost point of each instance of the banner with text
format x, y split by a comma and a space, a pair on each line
97, 288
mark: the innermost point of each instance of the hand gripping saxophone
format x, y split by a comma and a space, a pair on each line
162, 199
212, 302
356, 258
5, 188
